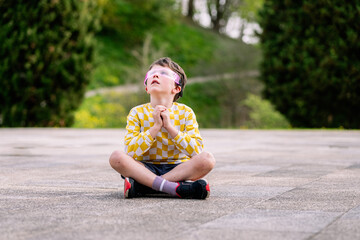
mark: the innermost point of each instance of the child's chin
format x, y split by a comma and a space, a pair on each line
156, 91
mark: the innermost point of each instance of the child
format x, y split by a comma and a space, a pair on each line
163, 146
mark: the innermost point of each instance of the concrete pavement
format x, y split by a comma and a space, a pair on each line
57, 184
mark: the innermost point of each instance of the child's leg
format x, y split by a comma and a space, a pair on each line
128, 167
197, 167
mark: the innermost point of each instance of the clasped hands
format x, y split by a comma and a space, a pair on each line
161, 117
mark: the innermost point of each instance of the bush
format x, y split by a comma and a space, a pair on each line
311, 63
101, 112
46, 51
219, 104
263, 115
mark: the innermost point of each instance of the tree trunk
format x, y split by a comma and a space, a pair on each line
191, 9
219, 16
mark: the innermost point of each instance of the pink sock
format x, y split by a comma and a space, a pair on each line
162, 185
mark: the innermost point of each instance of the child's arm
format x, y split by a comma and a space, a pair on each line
136, 142
188, 142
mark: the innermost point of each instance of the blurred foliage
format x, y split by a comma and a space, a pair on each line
125, 52
249, 9
126, 28
199, 51
311, 63
107, 110
263, 115
108, 57
49, 52
100, 112
129, 20
224, 103
219, 104
202, 52
144, 57
46, 52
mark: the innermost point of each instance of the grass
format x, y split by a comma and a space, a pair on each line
200, 52
231, 103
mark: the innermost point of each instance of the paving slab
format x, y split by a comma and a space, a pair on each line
293, 184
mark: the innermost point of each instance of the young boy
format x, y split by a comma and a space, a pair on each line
163, 146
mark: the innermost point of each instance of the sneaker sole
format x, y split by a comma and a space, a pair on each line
207, 187
127, 187
208, 191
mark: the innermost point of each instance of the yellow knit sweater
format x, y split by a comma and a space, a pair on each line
140, 145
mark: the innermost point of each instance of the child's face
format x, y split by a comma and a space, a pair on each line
161, 80
164, 72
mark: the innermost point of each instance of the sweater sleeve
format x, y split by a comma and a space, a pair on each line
136, 142
189, 141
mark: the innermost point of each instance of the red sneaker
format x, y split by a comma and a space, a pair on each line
129, 190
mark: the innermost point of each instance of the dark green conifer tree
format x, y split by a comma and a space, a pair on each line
46, 56
311, 61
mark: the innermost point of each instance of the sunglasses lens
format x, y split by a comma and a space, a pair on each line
164, 73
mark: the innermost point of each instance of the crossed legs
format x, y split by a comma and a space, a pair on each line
197, 167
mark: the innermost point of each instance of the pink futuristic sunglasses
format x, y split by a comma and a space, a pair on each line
164, 72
